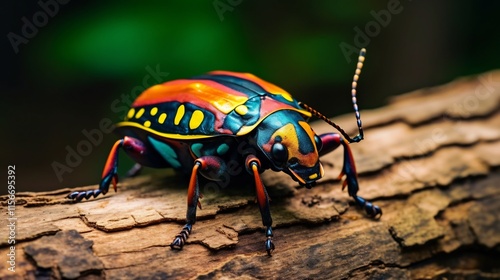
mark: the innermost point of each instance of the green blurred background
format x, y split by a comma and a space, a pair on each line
84, 55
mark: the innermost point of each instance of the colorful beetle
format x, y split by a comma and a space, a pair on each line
199, 125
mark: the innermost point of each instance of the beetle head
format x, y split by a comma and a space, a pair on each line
291, 146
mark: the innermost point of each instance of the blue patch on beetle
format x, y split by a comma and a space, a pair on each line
222, 149
166, 152
196, 149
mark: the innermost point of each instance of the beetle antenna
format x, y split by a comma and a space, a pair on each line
359, 137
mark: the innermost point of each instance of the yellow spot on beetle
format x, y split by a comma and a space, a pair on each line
241, 110
196, 119
147, 123
153, 111
180, 113
287, 96
139, 113
162, 118
130, 113
313, 176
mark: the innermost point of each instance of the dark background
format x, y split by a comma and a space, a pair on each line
84, 56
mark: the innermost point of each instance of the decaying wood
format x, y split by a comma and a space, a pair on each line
430, 160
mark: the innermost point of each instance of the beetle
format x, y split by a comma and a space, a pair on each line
198, 125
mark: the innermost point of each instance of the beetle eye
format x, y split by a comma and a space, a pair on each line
279, 153
319, 143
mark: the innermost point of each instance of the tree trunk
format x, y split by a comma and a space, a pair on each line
430, 160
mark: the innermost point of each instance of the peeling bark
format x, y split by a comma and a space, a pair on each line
431, 161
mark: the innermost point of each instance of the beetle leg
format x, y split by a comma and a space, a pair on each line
253, 165
330, 142
192, 201
209, 166
109, 173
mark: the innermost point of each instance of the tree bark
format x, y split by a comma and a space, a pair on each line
430, 160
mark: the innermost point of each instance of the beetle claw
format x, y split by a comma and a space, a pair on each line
343, 180
372, 210
269, 241
344, 184
269, 246
178, 243
79, 196
114, 181
180, 239
72, 195
341, 175
96, 193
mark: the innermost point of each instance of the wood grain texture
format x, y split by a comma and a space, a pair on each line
431, 160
